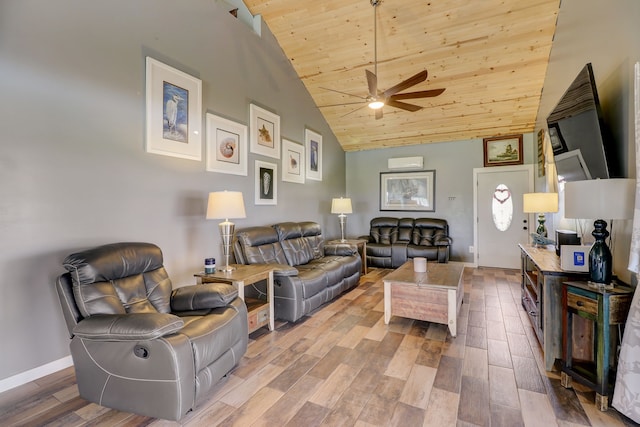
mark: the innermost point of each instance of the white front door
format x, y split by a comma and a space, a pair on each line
500, 222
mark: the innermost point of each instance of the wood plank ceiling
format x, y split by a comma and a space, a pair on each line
490, 55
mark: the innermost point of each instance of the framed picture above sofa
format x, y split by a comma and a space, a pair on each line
266, 185
408, 191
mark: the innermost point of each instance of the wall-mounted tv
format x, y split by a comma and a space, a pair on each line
582, 146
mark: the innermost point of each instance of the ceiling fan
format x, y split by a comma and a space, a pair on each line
391, 97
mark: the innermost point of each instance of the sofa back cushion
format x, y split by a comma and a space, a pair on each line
405, 229
120, 278
384, 230
297, 249
312, 234
427, 229
259, 245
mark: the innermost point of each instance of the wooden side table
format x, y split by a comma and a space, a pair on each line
260, 311
605, 308
362, 249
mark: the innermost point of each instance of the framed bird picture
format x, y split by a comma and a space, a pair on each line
292, 162
174, 112
264, 128
313, 145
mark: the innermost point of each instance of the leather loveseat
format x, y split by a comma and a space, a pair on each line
307, 272
137, 344
392, 241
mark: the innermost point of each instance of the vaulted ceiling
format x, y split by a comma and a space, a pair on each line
490, 55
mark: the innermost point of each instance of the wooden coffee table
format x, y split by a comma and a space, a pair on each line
434, 296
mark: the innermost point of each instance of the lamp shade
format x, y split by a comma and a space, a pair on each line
225, 205
540, 202
341, 206
599, 199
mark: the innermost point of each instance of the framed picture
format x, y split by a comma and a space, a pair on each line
557, 141
313, 146
226, 146
265, 132
266, 183
503, 150
174, 112
408, 191
292, 162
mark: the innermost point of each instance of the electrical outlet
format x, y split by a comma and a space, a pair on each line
471, 249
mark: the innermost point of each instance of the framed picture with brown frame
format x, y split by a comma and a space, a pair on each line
503, 150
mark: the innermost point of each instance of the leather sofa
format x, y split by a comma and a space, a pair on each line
137, 344
307, 272
392, 241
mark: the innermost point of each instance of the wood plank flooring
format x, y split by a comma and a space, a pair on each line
342, 366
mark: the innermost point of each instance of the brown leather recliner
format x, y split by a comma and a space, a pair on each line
137, 344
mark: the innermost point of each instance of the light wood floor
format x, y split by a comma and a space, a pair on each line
342, 366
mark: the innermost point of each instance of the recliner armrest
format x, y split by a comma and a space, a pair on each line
204, 296
283, 270
443, 241
340, 249
128, 327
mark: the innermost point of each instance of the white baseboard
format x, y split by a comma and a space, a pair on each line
35, 373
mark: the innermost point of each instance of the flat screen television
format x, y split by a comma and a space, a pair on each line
582, 146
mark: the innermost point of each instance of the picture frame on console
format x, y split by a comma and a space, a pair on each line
503, 150
173, 112
408, 191
226, 146
265, 132
266, 183
293, 169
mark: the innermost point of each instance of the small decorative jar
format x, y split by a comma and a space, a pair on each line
209, 265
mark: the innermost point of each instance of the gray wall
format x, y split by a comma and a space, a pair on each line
605, 34
453, 162
73, 169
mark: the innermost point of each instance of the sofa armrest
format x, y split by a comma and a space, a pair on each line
340, 249
128, 327
204, 296
283, 270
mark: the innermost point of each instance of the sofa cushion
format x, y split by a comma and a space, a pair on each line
259, 245
297, 249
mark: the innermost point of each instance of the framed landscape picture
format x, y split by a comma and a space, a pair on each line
266, 183
408, 191
226, 146
503, 150
173, 112
265, 132
313, 146
292, 162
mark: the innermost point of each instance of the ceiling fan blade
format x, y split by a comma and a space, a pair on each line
411, 81
402, 105
420, 94
372, 82
378, 113
344, 93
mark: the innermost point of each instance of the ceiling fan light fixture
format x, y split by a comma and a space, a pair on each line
376, 105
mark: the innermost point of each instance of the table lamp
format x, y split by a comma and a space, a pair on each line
225, 205
341, 206
597, 199
540, 203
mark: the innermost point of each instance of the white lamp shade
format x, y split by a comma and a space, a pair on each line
540, 202
599, 199
225, 205
341, 206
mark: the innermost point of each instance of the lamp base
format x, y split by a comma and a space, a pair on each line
227, 269
541, 230
600, 259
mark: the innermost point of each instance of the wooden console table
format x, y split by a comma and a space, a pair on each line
542, 280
